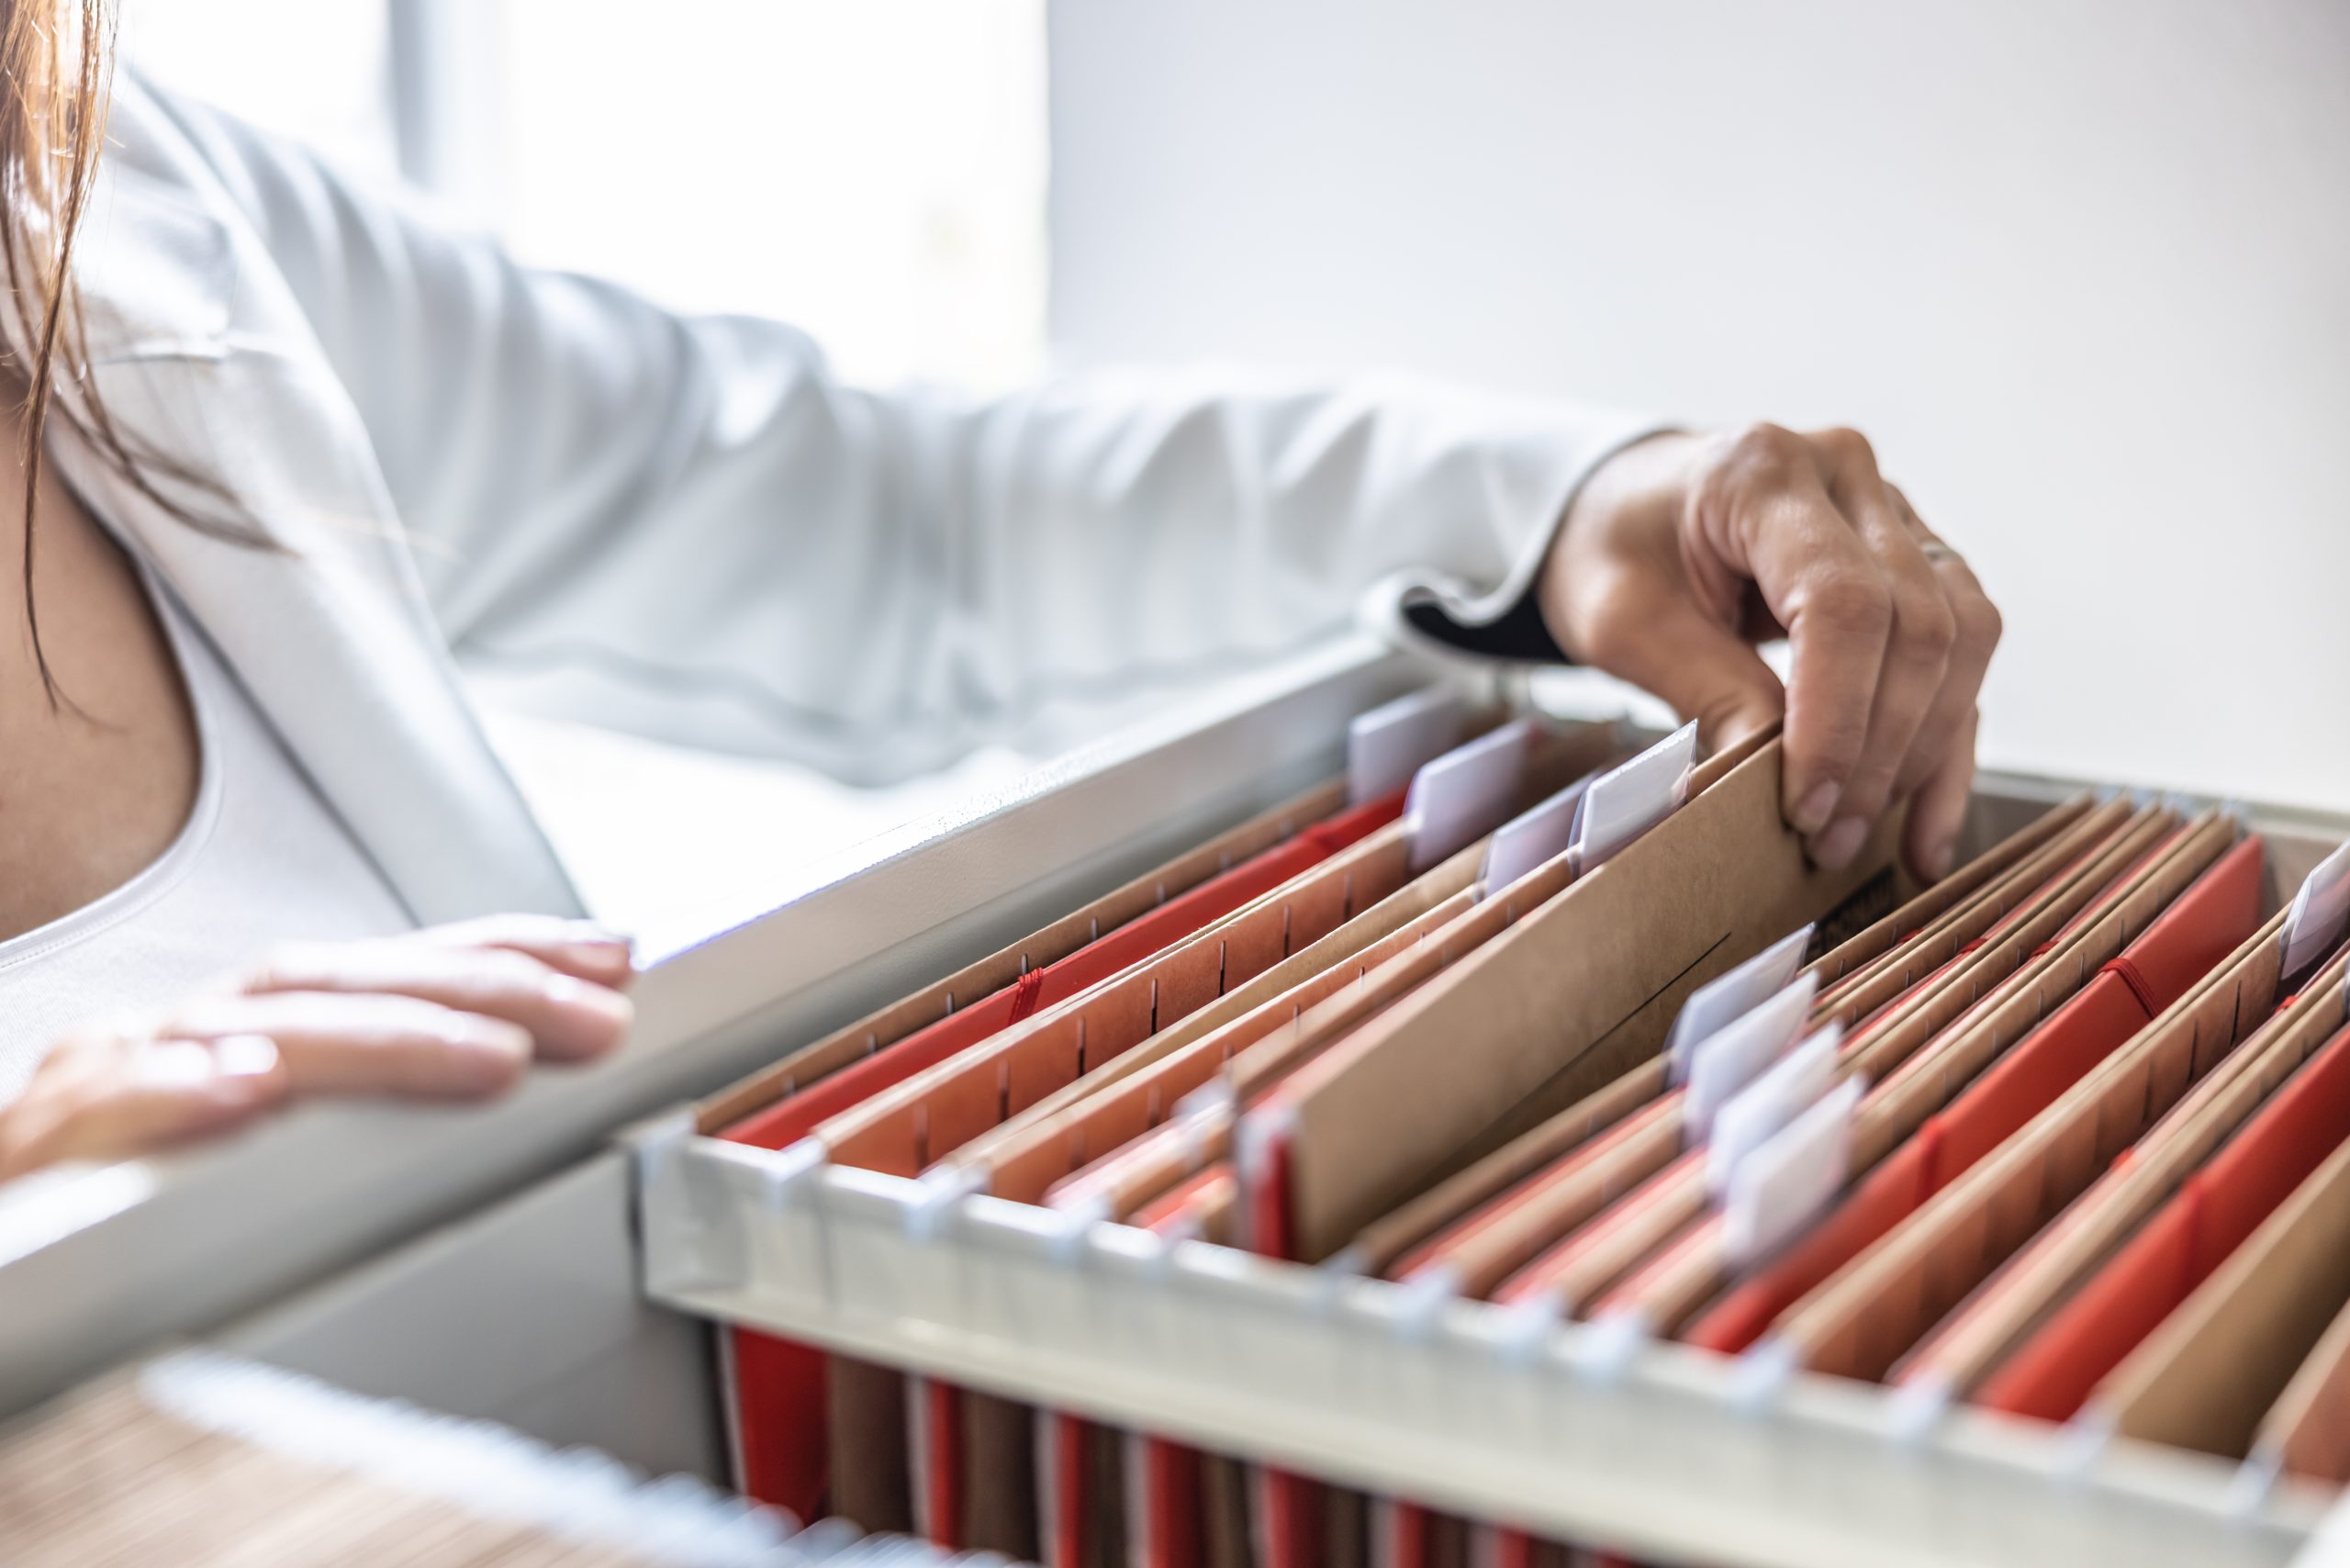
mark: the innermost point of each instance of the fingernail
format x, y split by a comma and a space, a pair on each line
1812, 812
484, 1057
488, 1038
245, 1056
1840, 844
602, 953
570, 991
1938, 861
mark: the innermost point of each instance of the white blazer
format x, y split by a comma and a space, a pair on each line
688, 526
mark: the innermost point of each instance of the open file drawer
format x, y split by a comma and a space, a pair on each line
1566, 1429
521, 1289
480, 1261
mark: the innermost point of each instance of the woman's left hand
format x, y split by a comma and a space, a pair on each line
450, 1012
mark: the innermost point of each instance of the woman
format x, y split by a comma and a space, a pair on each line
289, 455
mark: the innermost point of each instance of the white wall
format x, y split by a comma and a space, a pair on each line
2082, 269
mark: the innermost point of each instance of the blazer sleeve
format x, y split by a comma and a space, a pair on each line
689, 526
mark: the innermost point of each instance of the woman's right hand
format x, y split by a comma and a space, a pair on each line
450, 1012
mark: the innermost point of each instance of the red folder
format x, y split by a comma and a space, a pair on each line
2209, 920
1575, 1168
780, 1385
1167, 1490
793, 1119
2052, 1372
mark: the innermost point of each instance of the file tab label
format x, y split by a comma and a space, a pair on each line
1462, 795
1395, 740
1783, 1091
1728, 996
1533, 838
1780, 1188
2321, 911
1733, 1057
1627, 801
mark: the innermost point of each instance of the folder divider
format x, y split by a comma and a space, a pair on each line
1386, 1240
1252, 1053
1735, 993
1258, 1051
1573, 1271
1947, 939
1867, 1313
1380, 1115
935, 1112
1780, 1186
2307, 1431
1460, 797
1085, 1121
1388, 745
2185, 948
1389, 1238
783, 1393
2204, 1379
1880, 1046
1925, 1082
1631, 797
1124, 1097
1964, 1351
1587, 1253
1003, 969
1880, 937
1273, 1156
1531, 839
2127, 1299
2320, 912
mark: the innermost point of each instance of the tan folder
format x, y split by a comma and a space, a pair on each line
905, 1128
1961, 1351
1563, 1002
2205, 1379
1867, 1316
1661, 1191
2053, 949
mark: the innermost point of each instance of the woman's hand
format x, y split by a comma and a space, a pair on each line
1684, 551
453, 1012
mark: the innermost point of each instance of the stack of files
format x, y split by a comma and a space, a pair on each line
1521, 1013
1136, 1030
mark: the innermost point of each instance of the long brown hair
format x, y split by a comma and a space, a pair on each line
56, 76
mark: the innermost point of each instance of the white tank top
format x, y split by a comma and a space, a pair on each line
262, 859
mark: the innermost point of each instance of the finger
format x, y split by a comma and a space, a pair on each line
145, 1097
1649, 632
568, 1018
1918, 640
1765, 512
580, 947
1977, 639
1938, 811
334, 1043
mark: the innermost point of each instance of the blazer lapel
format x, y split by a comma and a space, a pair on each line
204, 360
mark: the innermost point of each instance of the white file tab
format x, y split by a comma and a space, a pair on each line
1785, 1090
1395, 740
2320, 911
1727, 996
1626, 801
1735, 1055
1532, 838
1781, 1187
1463, 794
